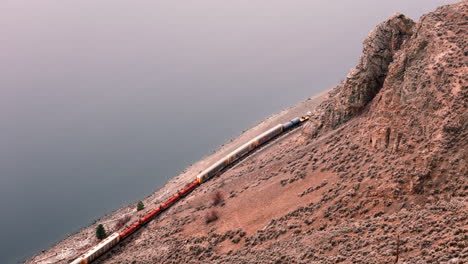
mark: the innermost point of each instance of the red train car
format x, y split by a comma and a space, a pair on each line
170, 202
145, 219
129, 230
189, 188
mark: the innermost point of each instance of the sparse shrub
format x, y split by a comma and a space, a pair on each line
217, 198
211, 217
100, 232
122, 221
140, 206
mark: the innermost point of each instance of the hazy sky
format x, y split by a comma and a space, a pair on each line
121, 95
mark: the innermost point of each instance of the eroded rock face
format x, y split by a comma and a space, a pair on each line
366, 79
409, 92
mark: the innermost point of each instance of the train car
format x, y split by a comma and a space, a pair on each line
292, 123
130, 230
170, 202
98, 250
211, 171
239, 152
188, 189
252, 144
270, 134
145, 219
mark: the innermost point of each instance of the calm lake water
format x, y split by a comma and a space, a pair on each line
101, 102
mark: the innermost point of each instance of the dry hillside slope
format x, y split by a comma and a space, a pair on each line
380, 173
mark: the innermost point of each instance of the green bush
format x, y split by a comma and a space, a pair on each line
100, 232
140, 206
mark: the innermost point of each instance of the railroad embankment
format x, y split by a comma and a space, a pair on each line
379, 175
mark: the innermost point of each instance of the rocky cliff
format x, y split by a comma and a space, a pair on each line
409, 92
367, 78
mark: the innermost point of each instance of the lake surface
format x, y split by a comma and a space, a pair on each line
101, 102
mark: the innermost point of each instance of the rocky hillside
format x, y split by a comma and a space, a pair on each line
378, 176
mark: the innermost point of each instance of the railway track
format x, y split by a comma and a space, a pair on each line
214, 170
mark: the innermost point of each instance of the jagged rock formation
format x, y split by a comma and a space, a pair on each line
419, 85
367, 78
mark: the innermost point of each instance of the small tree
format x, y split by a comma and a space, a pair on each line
140, 206
100, 232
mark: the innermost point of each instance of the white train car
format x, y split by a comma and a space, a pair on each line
239, 152
98, 250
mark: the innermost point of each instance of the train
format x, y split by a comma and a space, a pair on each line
212, 171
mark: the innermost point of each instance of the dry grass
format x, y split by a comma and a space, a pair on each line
122, 221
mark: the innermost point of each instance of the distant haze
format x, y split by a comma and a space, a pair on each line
101, 102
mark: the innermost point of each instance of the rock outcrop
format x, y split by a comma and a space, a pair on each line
410, 91
367, 78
